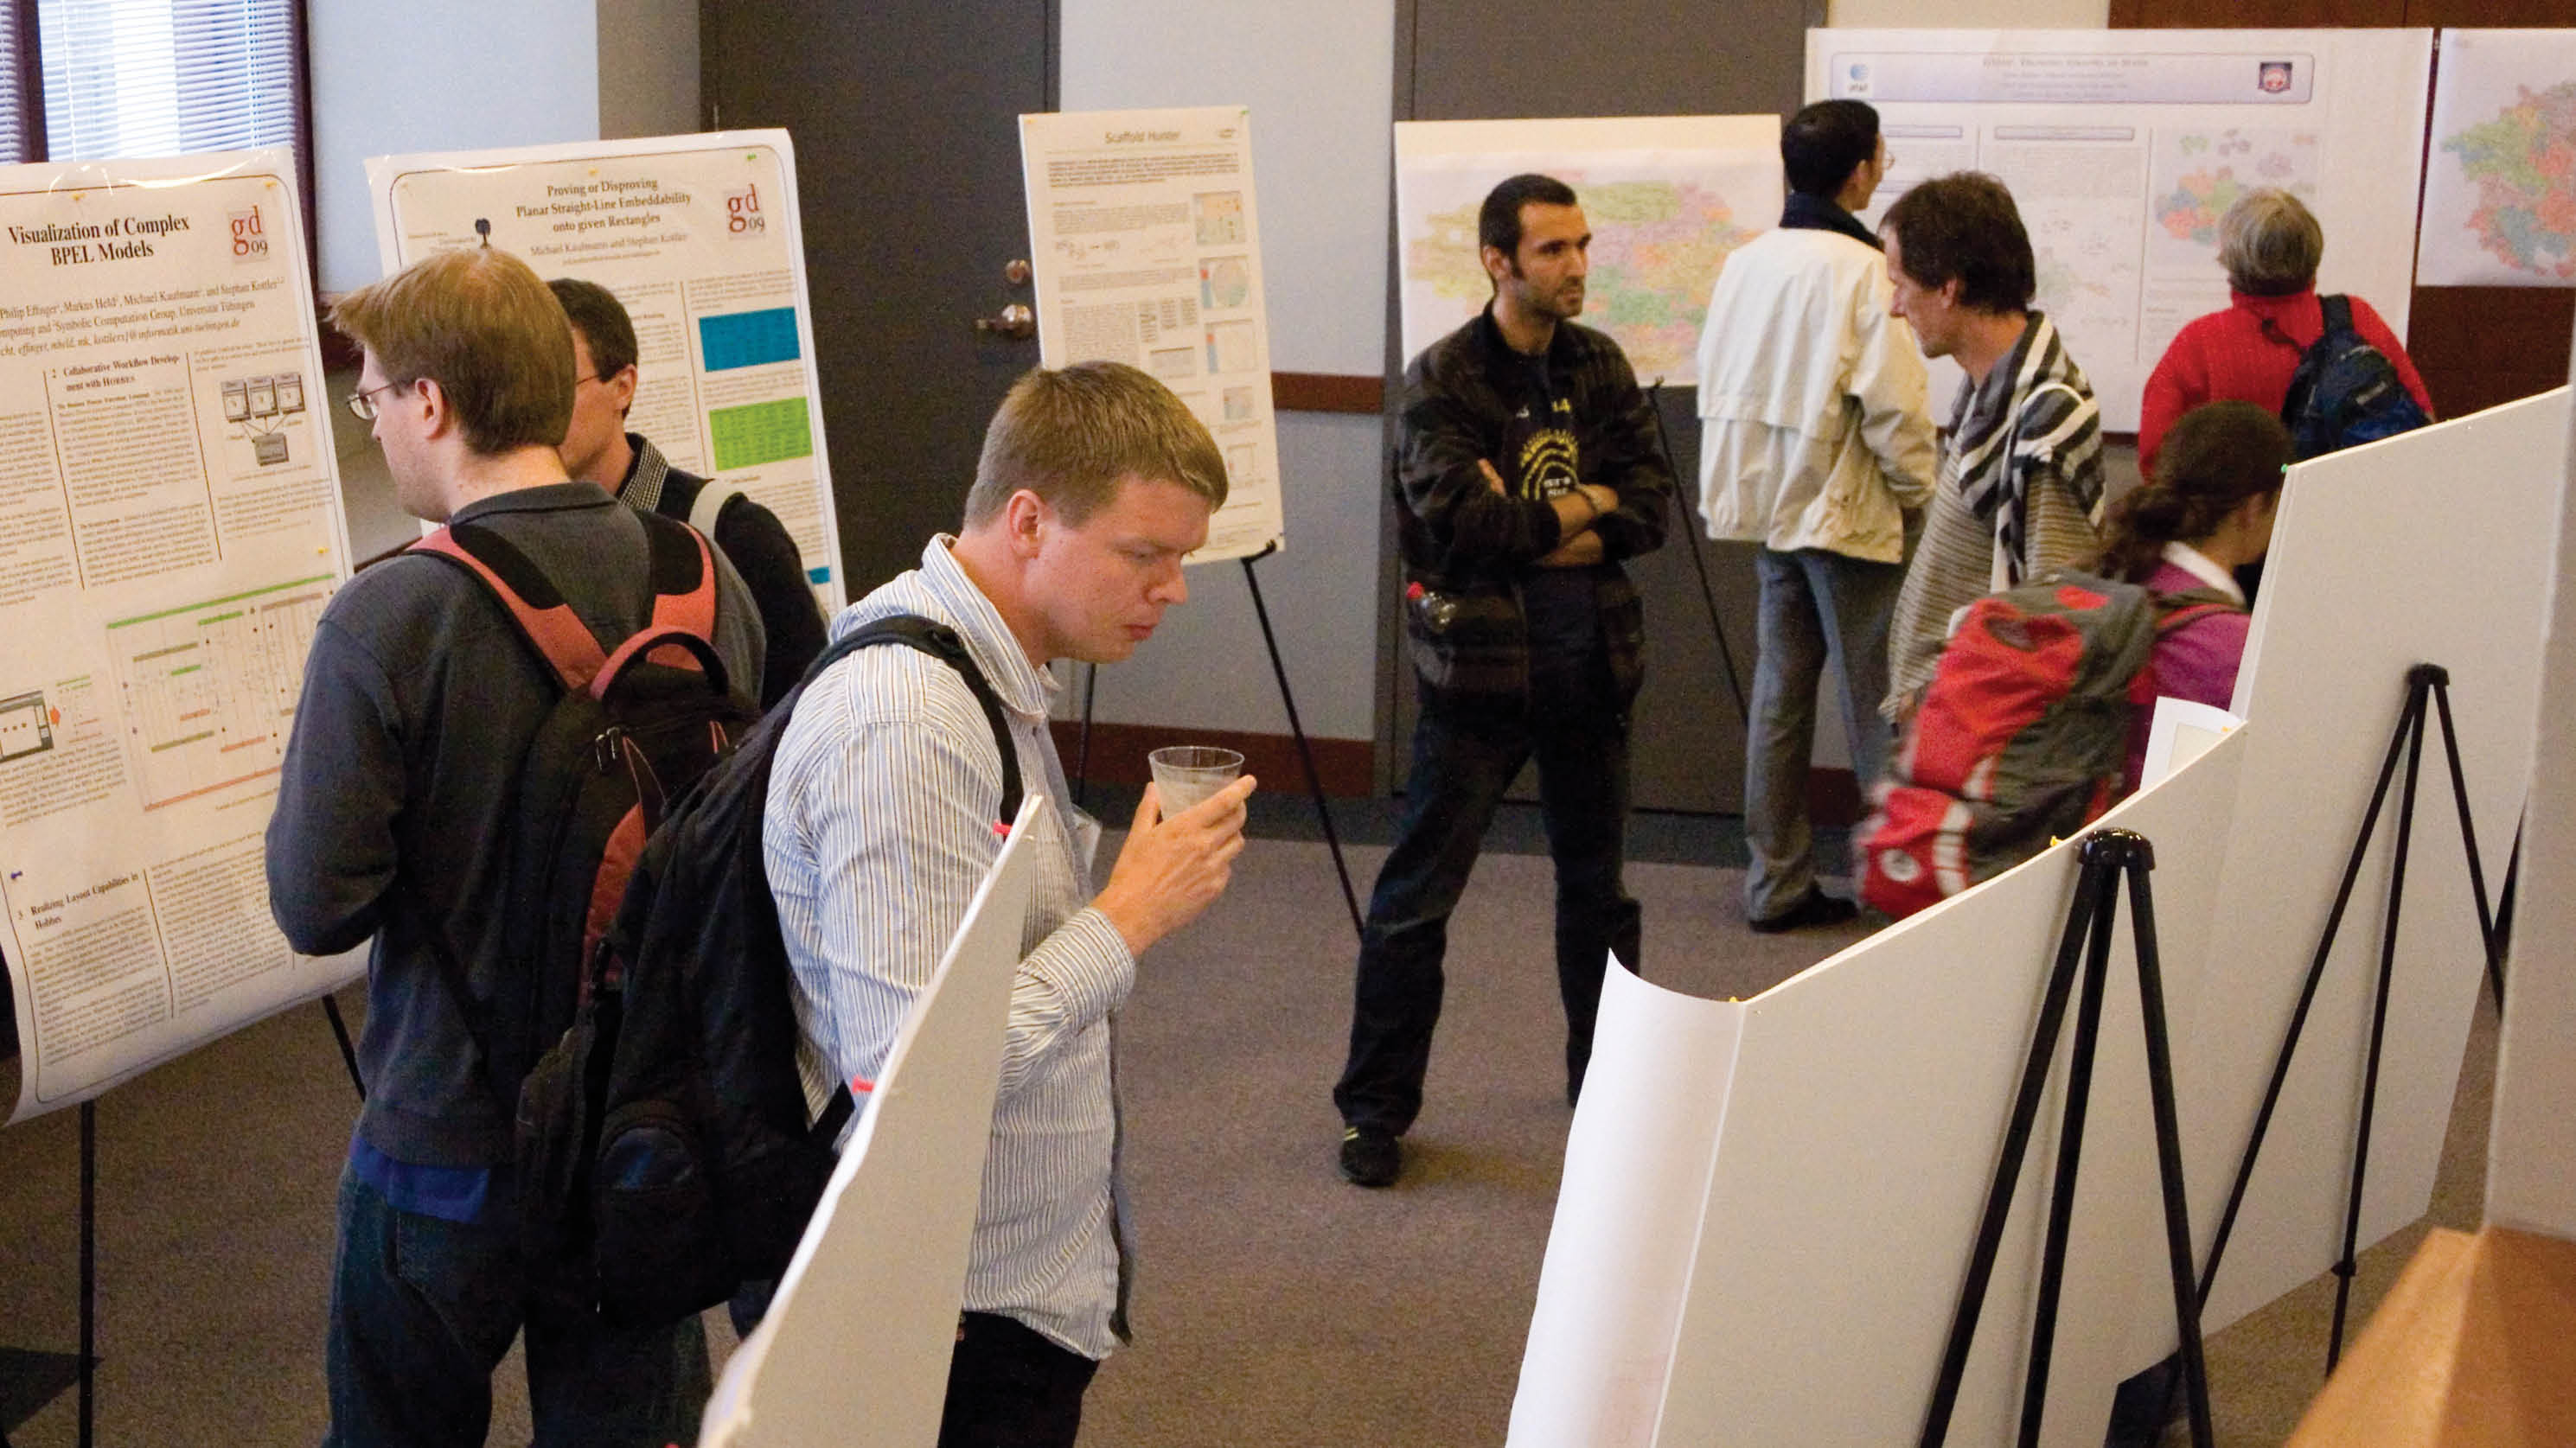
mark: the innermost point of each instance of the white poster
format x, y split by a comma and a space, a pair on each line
1147, 250
698, 238
1668, 197
170, 528
2500, 183
2124, 148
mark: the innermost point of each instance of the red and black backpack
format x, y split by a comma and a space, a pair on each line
2022, 737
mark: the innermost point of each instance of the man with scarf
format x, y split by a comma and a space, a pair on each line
2020, 492
1815, 442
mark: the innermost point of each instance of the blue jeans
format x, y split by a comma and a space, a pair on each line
1464, 757
1817, 608
422, 1311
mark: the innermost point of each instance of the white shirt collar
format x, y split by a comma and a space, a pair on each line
2199, 565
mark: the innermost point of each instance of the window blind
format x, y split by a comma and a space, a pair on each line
168, 77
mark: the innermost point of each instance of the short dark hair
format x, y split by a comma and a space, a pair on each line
1964, 227
1498, 223
602, 321
1825, 143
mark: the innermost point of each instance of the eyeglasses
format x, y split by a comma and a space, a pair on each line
363, 401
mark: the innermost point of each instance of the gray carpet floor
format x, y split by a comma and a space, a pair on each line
1276, 1304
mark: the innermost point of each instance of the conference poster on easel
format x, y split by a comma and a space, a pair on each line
1145, 244
1668, 198
699, 239
2124, 148
170, 528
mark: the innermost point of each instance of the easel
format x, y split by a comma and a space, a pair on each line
1689, 523
2107, 857
2424, 683
1296, 727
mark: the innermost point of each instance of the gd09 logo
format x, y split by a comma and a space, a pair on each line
250, 239
742, 213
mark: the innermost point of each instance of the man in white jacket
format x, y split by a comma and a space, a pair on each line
1815, 440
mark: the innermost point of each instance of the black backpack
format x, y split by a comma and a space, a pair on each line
638, 721
2346, 392
665, 1157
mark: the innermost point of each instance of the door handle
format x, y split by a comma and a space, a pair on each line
1015, 321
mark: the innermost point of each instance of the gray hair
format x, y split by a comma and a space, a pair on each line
2270, 243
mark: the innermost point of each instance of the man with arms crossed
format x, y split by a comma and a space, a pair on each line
1525, 470
2020, 492
1095, 481
393, 820
1814, 442
599, 449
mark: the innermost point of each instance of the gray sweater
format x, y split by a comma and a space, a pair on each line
392, 818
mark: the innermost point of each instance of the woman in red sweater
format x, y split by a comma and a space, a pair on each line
2270, 244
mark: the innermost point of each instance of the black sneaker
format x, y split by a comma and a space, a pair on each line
1370, 1157
1818, 908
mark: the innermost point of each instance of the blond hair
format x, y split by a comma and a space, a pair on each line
483, 327
1072, 435
2270, 243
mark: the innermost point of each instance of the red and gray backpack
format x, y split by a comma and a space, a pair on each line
2022, 737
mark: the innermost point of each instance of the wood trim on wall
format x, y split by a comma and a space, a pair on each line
1326, 392
1118, 752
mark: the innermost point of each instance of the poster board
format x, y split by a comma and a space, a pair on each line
1145, 244
699, 239
1766, 1220
2500, 174
1668, 197
2371, 572
170, 528
854, 1350
2124, 147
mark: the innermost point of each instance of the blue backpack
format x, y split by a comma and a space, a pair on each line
2346, 391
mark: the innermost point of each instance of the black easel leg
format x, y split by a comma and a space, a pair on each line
1717, 629
1305, 748
2409, 718
2487, 932
2101, 878
88, 1269
2504, 907
2160, 1095
348, 1051
2343, 1269
1999, 1194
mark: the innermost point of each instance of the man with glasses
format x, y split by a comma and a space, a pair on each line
600, 450
1815, 442
394, 812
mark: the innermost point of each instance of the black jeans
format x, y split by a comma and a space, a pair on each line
1464, 757
1010, 1386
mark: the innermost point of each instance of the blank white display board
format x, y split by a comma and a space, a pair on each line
2434, 547
1800, 1176
854, 1352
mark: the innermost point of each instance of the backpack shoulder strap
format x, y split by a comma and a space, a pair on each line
713, 496
2338, 311
942, 643
513, 580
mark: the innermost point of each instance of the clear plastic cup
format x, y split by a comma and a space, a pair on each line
1185, 774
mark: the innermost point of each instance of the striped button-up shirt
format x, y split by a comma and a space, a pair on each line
880, 825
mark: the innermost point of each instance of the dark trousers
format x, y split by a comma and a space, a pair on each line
1464, 757
422, 1311
1010, 1386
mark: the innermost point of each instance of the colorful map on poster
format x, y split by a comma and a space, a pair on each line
2216, 167
2500, 179
1667, 199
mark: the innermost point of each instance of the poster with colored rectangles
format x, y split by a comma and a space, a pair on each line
2123, 149
1667, 198
1146, 248
2500, 174
697, 236
170, 527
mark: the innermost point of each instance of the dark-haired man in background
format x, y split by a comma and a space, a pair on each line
2020, 492
599, 449
1526, 469
1814, 444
